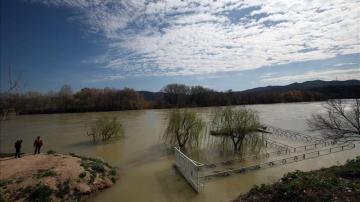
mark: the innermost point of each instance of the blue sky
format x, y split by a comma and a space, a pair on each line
146, 44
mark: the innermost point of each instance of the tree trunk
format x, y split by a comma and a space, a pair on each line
4, 115
235, 143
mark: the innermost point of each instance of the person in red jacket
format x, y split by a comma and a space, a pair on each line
37, 144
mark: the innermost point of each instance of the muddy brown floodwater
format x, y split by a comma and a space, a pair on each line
146, 166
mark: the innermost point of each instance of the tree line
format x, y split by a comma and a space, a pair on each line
171, 96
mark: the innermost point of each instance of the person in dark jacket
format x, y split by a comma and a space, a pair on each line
38, 144
18, 148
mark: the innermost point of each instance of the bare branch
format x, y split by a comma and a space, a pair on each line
340, 123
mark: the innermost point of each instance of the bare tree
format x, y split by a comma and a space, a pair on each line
13, 83
6, 97
176, 94
341, 122
184, 128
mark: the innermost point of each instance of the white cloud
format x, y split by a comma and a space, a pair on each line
346, 64
105, 78
269, 75
329, 74
163, 37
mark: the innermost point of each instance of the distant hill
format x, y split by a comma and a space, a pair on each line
308, 85
308, 91
328, 89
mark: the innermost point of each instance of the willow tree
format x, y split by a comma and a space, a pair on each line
238, 126
105, 129
184, 128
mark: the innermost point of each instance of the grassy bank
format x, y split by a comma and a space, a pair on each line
337, 183
53, 177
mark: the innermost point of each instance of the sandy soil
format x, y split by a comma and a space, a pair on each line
20, 177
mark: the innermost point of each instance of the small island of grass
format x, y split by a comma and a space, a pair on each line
53, 177
337, 183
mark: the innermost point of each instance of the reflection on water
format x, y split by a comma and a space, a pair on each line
146, 165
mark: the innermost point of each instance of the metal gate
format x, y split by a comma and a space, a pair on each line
189, 169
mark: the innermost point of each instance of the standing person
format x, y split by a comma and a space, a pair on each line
37, 144
18, 148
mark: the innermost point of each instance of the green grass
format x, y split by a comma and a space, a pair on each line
63, 189
95, 167
51, 152
3, 155
44, 173
1, 198
113, 172
40, 193
5, 182
342, 182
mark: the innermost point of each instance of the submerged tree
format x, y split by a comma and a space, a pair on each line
239, 126
105, 129
341, 122
184, 128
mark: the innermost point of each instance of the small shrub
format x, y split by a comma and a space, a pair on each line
1, 198
82, 175
92, 177
106, 128
4, 182
76, 195
19, 180
63, 189
113, 172
97, 167
40, 193
26, 191
51, 152
44, 173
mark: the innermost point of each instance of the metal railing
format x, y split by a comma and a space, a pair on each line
189, 169
287, 160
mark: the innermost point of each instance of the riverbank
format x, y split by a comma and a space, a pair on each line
53, 177
337, 183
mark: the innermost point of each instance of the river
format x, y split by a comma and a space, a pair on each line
146, 166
